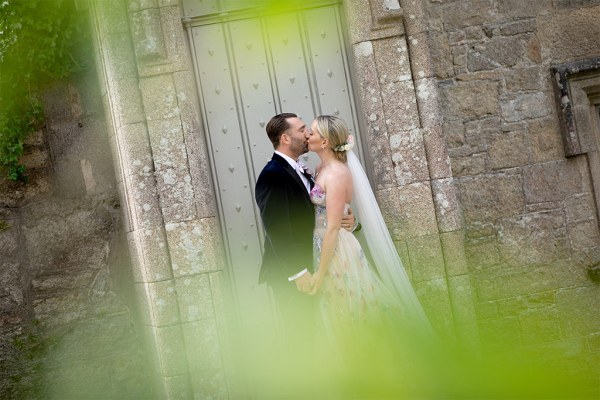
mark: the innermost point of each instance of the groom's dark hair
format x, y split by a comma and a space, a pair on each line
277, 125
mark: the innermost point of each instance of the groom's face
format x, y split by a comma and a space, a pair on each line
298, 134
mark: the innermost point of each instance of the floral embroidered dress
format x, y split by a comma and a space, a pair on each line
351, 290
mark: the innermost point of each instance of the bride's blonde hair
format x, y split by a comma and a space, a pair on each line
335, 130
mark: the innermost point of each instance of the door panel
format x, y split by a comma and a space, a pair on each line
249, 69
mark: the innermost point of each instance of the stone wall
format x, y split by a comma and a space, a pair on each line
65, 326
530, 217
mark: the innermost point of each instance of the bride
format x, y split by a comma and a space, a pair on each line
374, 324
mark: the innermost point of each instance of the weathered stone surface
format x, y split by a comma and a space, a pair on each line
462, 299
508, 150
538, 326
482, 253
453, 246
408, 210
447, 207
488, 197
438, 158
372, 106
426, 258
523, 79
147, 35
194, 297
545, 141
174, 37
196, 145
523, 9
569, 35
579, 208
169, 344
498, 282
149, 256
435, 299
524, 105
441, 56
584, 234
360, 23
202, 343
516, 27
551, 181
399, 106
174, 182
468, 13
532, 239
499, 52
408, 156
577, 308
470, 165
195, 247
459, 102
392, 60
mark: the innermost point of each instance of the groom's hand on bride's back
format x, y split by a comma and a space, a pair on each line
349, 223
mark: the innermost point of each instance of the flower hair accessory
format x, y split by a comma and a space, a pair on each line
348, 145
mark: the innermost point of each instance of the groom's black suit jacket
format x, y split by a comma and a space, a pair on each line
288, 217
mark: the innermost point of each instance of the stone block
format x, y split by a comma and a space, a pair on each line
147, 35
545, 141
372, 106
488, 197
362, 26
438, 158
170, 347
482, 253
500, 335
447, 208
540, 300
499, 52
461, 14
454, 131
202, 344
453, 246
462, 298
162, 302
420, 54
498, 282
584, 234
470, 165
516, 27
160, 97
460, 100
508, 150
143, 202
552, 181
174, 38
195, 247
539, 326
194, 297
512, 306
523, 79
408, 156
177, 387
211, 385
441, 55
523, 9
428, 101
392, 60
487, 310
580, 207
435, 299
408, 210
426, 258
149, 255
112, 17
121, 77
137, 5
468, 338
525, 106
173, 178
134, 149
532, 239
569, 35
399, 105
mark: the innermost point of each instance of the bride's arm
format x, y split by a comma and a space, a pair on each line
335, 202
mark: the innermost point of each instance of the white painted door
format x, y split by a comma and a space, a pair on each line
250, 65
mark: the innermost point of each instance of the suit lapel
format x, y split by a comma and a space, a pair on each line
288, 168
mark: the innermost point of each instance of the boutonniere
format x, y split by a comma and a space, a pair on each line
305, 170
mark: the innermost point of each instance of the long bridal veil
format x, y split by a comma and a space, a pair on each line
380, 245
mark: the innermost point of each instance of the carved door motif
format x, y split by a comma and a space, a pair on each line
250, 67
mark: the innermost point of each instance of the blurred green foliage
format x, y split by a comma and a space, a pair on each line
37, 42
